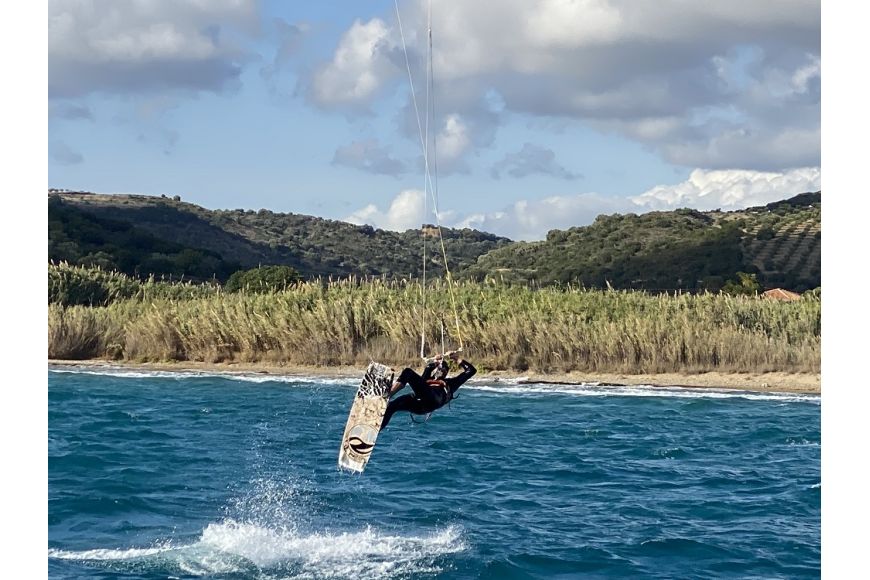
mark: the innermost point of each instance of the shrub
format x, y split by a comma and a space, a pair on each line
263, 280
765, 233
79, 285
72, 285
746, 284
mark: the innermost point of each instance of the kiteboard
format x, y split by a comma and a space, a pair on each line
366, 414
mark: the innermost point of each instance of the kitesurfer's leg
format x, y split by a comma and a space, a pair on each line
407, 376
431, 398
422, 390
404, 403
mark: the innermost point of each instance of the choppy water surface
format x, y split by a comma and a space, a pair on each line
174, 475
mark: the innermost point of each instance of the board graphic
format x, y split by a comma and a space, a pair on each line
366, 414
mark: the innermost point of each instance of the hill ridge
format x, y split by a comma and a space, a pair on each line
313, 245
779, 243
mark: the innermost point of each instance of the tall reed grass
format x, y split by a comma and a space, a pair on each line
93, 286
350, 322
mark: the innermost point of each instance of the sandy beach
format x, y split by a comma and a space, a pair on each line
762, 382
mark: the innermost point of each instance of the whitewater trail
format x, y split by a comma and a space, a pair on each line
239, 547
265, 533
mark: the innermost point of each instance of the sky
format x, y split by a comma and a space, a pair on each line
545, 113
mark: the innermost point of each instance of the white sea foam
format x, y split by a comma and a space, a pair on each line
803, 442
232, 546
512, 386
106, 554
598, 390
184, 374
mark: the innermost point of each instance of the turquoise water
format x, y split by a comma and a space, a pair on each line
174, 475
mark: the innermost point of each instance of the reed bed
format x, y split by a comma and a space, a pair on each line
352, 321
94, 286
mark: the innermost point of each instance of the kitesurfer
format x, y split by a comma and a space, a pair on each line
432, 390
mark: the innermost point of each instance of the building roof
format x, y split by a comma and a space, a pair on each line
780, 294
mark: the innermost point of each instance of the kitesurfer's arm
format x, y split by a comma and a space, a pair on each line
427, 372
468, 371
467, 368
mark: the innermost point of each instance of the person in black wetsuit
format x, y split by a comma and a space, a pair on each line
432, 390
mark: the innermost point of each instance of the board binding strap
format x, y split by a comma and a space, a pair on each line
364, 421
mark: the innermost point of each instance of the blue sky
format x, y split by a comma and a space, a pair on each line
547, 113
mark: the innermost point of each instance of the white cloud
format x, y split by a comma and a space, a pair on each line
523, 220
646, 70
532, 219
563, 23
730, 189
755, 149
370, 214
453, 142
359, 67
802, 77
124, 47
552, 35
405, 212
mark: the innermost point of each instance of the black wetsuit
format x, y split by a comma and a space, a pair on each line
426, 397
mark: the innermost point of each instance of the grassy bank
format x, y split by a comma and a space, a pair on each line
503, 328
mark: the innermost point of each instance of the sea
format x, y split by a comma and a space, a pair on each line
235, 476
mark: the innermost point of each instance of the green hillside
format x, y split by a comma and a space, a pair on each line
684, 249
143, 235
783, 242
779, 243
82, 238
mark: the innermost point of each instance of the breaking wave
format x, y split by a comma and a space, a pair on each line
233, 547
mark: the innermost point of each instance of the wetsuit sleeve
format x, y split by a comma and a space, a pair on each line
427, 372
468, 371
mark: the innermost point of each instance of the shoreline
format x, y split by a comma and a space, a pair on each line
773, 382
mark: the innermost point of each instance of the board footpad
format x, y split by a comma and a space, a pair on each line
377, 381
